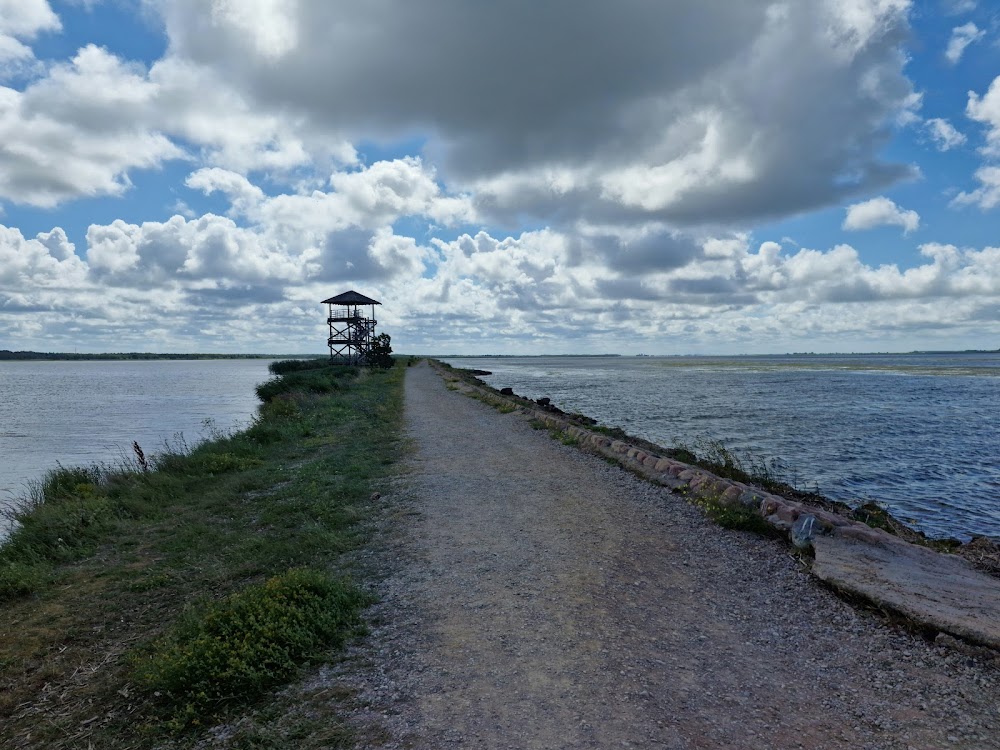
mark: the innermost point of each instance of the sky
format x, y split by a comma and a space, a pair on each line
518, 177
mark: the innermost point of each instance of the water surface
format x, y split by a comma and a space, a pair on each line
79, 413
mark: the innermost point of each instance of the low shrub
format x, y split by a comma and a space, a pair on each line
21, 579
285, 366
63, 516
238, 647
318, 379
738, 517
875, 515
217, 463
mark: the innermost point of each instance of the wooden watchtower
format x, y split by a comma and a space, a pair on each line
351, 333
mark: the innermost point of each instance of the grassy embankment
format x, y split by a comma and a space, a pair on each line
141, 603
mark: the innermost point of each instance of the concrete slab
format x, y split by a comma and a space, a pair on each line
939, 590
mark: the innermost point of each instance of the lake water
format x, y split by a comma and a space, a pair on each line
917, 432
80, 413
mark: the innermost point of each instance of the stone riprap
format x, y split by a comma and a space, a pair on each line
934, 590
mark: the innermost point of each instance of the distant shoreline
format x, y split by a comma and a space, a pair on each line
817, 355
7, 355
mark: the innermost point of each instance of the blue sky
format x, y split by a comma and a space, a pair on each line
709, 177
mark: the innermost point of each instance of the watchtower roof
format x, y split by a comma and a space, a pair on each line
351, 298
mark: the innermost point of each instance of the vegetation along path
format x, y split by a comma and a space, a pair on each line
541, 598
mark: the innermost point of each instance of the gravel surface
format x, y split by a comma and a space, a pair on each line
534, 596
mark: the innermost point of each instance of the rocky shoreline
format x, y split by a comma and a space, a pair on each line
891, 566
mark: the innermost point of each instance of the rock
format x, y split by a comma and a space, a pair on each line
506, 391
731, 495
939, 591
479, 373
543, 401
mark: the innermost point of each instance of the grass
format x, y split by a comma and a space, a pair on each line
746, 467
738, 517
141, 606
248, 642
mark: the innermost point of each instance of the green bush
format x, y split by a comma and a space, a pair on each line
285, 366
59, 530
217, 463
738, 517
66, 482
325, 379
20, 579
282, 406
380, 354
236, 648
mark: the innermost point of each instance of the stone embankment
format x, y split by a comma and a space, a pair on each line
933, 590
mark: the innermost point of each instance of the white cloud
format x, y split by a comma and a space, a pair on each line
270, 25
987, 195
225, 287
944, 134
243, 196
81, 128
20, 21
47, 261
986, 109
962, 37
74, 133
958, 7
640, 154
879, 212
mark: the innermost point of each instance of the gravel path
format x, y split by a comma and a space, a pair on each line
537, 597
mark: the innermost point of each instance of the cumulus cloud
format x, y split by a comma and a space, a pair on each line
210, 281
879, 212
83, 126
944, 134
47, 261
986, 110
73, 133
961, 37
693, 113
987, 195
21, 21
638, 155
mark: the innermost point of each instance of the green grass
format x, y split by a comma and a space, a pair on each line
727, 463
738, 517
248, 642
124, 588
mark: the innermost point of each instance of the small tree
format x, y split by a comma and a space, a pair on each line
380, 354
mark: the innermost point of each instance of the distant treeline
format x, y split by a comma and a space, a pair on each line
7, 354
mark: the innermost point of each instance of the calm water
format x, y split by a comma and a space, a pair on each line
79, 413
918, 432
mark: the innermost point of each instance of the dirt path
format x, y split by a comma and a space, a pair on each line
540, 598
